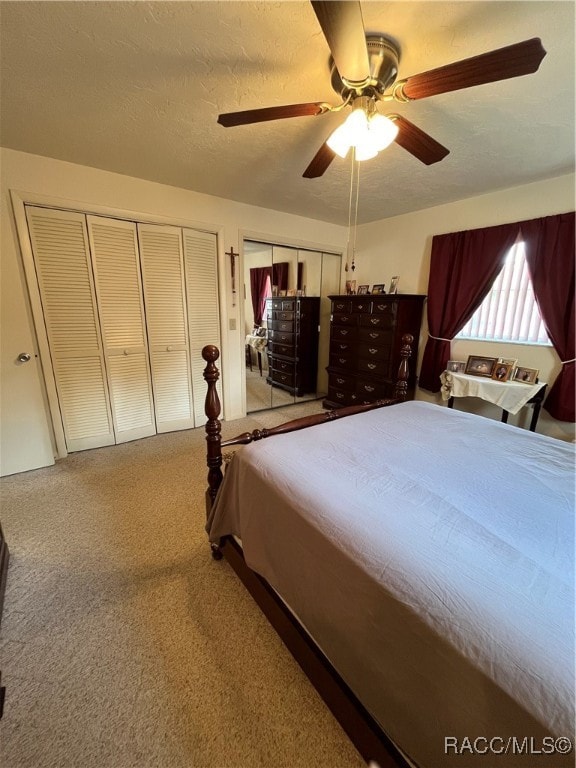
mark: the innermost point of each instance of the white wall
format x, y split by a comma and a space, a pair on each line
25, 435
401, 246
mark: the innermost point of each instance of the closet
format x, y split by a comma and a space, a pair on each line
127, 308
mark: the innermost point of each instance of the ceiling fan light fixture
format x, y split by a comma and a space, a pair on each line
367, 133
382, 130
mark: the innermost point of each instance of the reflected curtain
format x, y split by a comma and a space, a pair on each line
280, 275
463, 266
258, 280
550, 254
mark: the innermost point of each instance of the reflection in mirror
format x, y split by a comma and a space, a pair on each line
287, 319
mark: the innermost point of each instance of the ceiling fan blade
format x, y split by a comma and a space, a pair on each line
501, 64
319, 162
230, 119
420, 144
343, 28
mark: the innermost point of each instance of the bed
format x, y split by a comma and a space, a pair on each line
424, 560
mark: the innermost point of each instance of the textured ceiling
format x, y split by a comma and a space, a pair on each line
136, 88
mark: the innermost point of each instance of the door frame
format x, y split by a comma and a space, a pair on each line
19, 200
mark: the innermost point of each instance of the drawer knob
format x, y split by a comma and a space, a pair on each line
341, 359
373, 350
343, 332
339, 395
374, 335
372, 366
368, 388
375, 320
340, 381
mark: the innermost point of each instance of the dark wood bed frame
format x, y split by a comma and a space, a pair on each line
364, 732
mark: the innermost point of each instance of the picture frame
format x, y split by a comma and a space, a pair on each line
393, 284
362, 289
526, 375
502, 371
350, 287
281, 293
480, 366
509, 361
291, 292
456, 366
379, 288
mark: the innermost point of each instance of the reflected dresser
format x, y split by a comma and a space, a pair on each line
293, 327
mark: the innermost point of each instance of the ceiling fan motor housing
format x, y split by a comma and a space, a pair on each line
383, 57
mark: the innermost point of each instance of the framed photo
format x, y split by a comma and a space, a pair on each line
393, 285
362, 289
456, 366
291, 292
350, 286
379, 288
526, 375
480, 366
281, 293
502, 371
508, 361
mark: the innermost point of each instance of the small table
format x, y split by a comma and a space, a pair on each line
511, 396
259, 344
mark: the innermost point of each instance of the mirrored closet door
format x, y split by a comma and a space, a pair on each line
287, 320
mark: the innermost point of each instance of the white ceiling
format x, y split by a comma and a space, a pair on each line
136, 88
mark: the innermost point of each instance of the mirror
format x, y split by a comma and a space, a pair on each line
287, 322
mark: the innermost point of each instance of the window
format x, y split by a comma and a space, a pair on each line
509, 312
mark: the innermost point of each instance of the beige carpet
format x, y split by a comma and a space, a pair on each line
124, 645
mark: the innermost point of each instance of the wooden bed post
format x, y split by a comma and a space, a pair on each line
401, 388
210, 354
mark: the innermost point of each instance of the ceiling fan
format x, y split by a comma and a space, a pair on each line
364, 71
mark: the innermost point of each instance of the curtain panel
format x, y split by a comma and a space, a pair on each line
463, 266
258, 279
550, 254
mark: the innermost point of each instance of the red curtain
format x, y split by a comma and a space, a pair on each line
258, 279
550, 255
463, 266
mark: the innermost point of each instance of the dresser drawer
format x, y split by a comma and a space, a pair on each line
376, 351
343, 306
375, 335
375, 366
384, 320
345, 320
341, 333
278, 377
281, 325
282, 366
275, 348
341, 396
285, 305
361, 307
367, 391
343, 361
282, 337
342, 347
337, 380
283, 315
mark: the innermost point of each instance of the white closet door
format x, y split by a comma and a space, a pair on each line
62, 257
201, 268
114, 249
166, 319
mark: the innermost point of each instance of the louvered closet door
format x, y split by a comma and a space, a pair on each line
165, 301
62, 258
201, 268
115, 259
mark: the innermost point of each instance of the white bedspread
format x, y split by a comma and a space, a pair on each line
430, 553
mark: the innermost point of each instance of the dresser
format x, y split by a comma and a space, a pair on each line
293, 343
365, 341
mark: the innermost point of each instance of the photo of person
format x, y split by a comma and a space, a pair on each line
502, 372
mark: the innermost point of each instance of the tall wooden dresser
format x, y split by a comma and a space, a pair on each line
365, 341
293, 343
